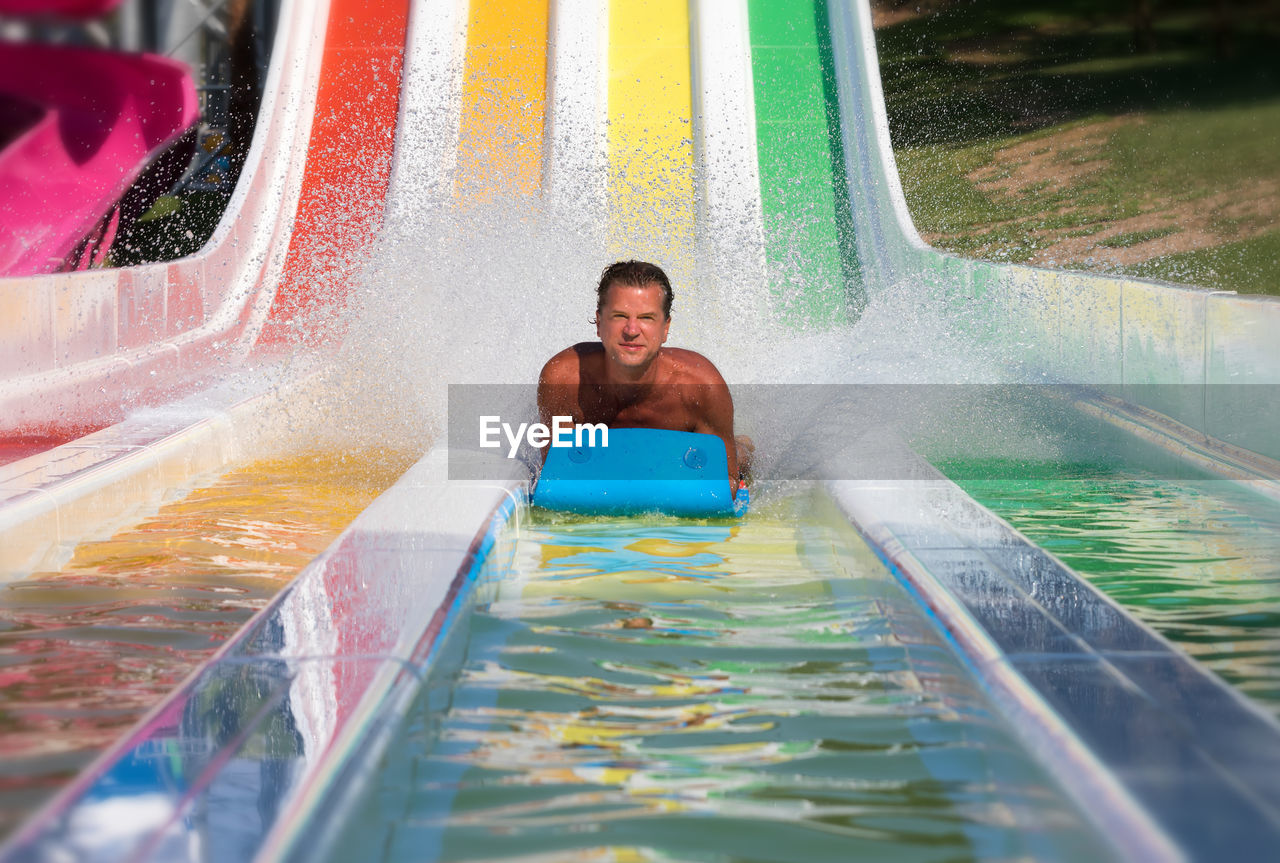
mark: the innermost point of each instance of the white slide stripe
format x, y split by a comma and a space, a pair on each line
730, 217
426, 152
574, 169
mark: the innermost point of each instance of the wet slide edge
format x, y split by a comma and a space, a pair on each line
335, 185
75, 343
1164, 757
1107, 805
343, 649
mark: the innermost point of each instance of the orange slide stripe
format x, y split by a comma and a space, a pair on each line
344, 186
504, 98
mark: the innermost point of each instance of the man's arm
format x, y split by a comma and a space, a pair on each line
558, 386
712, 406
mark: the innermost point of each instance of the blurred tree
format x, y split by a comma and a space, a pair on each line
242, 111
1223, 29
1144, 33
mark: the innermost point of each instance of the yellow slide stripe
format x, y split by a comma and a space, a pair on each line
650, 139
504, 98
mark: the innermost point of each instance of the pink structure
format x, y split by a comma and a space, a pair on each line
63, 8
84, 125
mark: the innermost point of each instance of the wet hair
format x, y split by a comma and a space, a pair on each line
634, 274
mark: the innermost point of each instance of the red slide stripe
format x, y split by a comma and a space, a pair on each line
344, 186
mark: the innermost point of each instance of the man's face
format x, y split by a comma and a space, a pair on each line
632, 325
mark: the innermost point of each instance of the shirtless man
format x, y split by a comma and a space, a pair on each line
629, 380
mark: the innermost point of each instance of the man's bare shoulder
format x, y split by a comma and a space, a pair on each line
692, 367
564, 367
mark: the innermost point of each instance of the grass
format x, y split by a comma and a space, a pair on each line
1250, 267
1133, 238
1032, 131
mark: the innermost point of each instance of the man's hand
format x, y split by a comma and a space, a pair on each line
746, 450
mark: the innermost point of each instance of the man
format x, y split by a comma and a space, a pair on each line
629, 380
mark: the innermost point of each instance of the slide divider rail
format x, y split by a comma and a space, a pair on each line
1163, 756
238, 760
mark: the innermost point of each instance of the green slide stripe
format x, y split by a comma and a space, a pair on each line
808, 226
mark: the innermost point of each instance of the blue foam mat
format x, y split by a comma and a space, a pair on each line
641, 470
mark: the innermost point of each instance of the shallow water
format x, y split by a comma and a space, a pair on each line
1199, 561
85, 651
713, 691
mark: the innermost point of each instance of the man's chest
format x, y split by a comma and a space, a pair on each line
662, 410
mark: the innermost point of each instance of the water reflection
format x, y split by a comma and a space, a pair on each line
754, 691
85, 651
1198, 561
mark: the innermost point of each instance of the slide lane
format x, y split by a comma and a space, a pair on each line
706, 689
371, 649
71, 514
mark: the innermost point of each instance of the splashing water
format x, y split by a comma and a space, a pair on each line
487, 293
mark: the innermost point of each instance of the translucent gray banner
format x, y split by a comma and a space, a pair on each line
966, 431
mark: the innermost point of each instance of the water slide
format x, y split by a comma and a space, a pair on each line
747, 145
